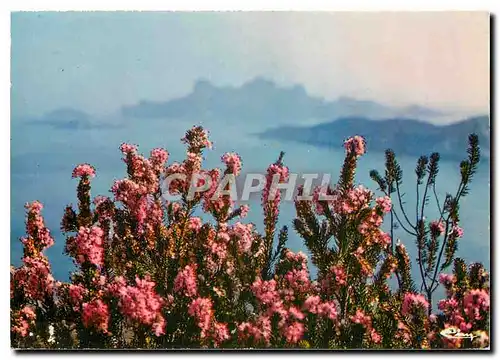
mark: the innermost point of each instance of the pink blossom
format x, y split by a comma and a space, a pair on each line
296, 313
34, 278
201, 310
311, 304
159, 326
22, 321
328, 309
39, 235
355, 144
294, 332
412, 301
260, 331
185, 281
437, 227
220, 333
446, 279
244, 234
128, 148
197, 138
158, 158
476, 304
233, 163
340, 276
195, 223
298, 280
265, 291
76, 293
361, 318
384, 203
83, 170
244, 209
457, 231
139, 303
89, 245
375, 336
271, 196
34, 207
95, 314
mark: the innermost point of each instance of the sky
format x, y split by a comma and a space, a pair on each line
98, 62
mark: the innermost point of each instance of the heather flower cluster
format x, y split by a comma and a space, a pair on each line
192, 273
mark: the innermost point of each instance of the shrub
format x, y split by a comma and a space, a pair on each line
149, 274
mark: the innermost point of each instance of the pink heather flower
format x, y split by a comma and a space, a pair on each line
139, 303
384, 203
244, 234
298, 280
76, 293
375, 336
311, 304
22, 321
158, 158
233, 163
457, 231
298, 258
201, 310
294, 332
197, 138
328, 309
39, 236
265, 291
220, 333
95, 314
185, 282
476, 304
355, 144
195, 223
296, 313
361, 318
28, 313
128, 148
447, 305
35, 207
260, 331
413, 301
340, 276
244, 209
89, 245
83, 170
437, 227
432, 318
353, 201
159, 326
271, 193
34, 278
446, 279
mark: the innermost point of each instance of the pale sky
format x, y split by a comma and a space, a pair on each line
98, 62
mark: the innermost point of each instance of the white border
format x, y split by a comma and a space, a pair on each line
144, 5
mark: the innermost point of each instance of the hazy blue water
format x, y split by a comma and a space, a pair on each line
43, 159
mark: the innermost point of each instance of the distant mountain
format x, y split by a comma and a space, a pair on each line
262, 101
67, 118
404, 136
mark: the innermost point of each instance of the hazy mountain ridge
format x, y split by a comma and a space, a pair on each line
68, 118
404, 136
261, 100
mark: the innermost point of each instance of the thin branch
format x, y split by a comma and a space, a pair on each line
401, 206
437, 201
400, 223
425, 195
